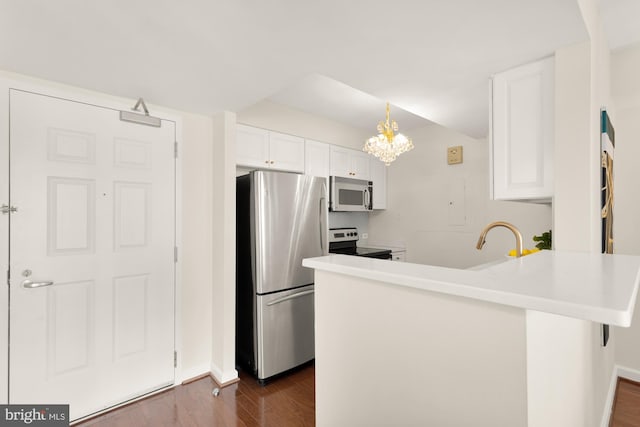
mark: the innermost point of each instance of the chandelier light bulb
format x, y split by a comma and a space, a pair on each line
387, 146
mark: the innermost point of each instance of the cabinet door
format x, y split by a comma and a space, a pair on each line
340, 162
286, 152
317, 158
522, 132
252, 147
360, 165
379, 179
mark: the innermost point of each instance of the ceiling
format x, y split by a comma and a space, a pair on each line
339, 59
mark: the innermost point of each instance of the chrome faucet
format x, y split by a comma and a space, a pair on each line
514, 230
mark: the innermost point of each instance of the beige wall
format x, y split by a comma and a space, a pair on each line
625, 87
424, 204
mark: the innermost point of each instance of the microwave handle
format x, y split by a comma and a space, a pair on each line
367, 199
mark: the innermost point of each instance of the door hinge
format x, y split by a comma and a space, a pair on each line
175, 254
175, 149
175, 359
5, 209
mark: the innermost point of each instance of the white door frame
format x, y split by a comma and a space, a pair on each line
15, 81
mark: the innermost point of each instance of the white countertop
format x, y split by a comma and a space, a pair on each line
600, 288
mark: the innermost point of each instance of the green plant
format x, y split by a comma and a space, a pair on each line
544, 240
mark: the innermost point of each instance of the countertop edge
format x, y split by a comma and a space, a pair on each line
612, 316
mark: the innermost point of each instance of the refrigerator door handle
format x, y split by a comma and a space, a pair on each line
288, 297
322, 224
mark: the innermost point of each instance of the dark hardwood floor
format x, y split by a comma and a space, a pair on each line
626, 408
286, 401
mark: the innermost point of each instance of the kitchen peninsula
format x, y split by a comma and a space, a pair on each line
500, 345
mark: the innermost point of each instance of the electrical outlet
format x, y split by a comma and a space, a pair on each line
365, 235
454, 155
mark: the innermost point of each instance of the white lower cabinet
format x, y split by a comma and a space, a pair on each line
522, 132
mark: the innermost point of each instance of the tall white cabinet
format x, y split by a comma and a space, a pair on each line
522, 132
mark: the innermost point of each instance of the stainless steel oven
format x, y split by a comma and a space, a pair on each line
348, 194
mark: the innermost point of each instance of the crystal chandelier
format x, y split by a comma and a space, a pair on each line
386, 146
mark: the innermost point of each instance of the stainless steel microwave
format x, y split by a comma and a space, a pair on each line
350, 195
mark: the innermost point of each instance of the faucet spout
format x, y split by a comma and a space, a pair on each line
514, 230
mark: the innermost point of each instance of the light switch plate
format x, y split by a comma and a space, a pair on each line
454, 155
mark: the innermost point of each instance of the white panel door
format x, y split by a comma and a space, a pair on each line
92, 255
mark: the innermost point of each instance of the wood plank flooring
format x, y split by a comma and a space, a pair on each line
626, 408
286, 401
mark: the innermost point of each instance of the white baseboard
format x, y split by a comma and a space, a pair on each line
628, 373
192, 372
622, 372
221, 377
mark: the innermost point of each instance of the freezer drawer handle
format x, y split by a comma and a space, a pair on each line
288, 297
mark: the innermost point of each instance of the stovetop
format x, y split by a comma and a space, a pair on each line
343, 241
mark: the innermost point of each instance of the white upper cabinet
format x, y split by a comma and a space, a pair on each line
252, 147
260, 148
522, 132
349, 163
286, 152
317, 158
379, 179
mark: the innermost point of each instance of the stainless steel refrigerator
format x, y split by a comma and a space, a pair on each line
281, 218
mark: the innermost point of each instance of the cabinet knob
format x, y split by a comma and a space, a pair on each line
271, 162
266, 161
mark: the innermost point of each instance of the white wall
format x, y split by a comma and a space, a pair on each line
582, 88
279, 118
197, 244
421, 187
625, 90
223, 260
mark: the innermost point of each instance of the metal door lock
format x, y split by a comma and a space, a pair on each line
26, 273
5, 209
